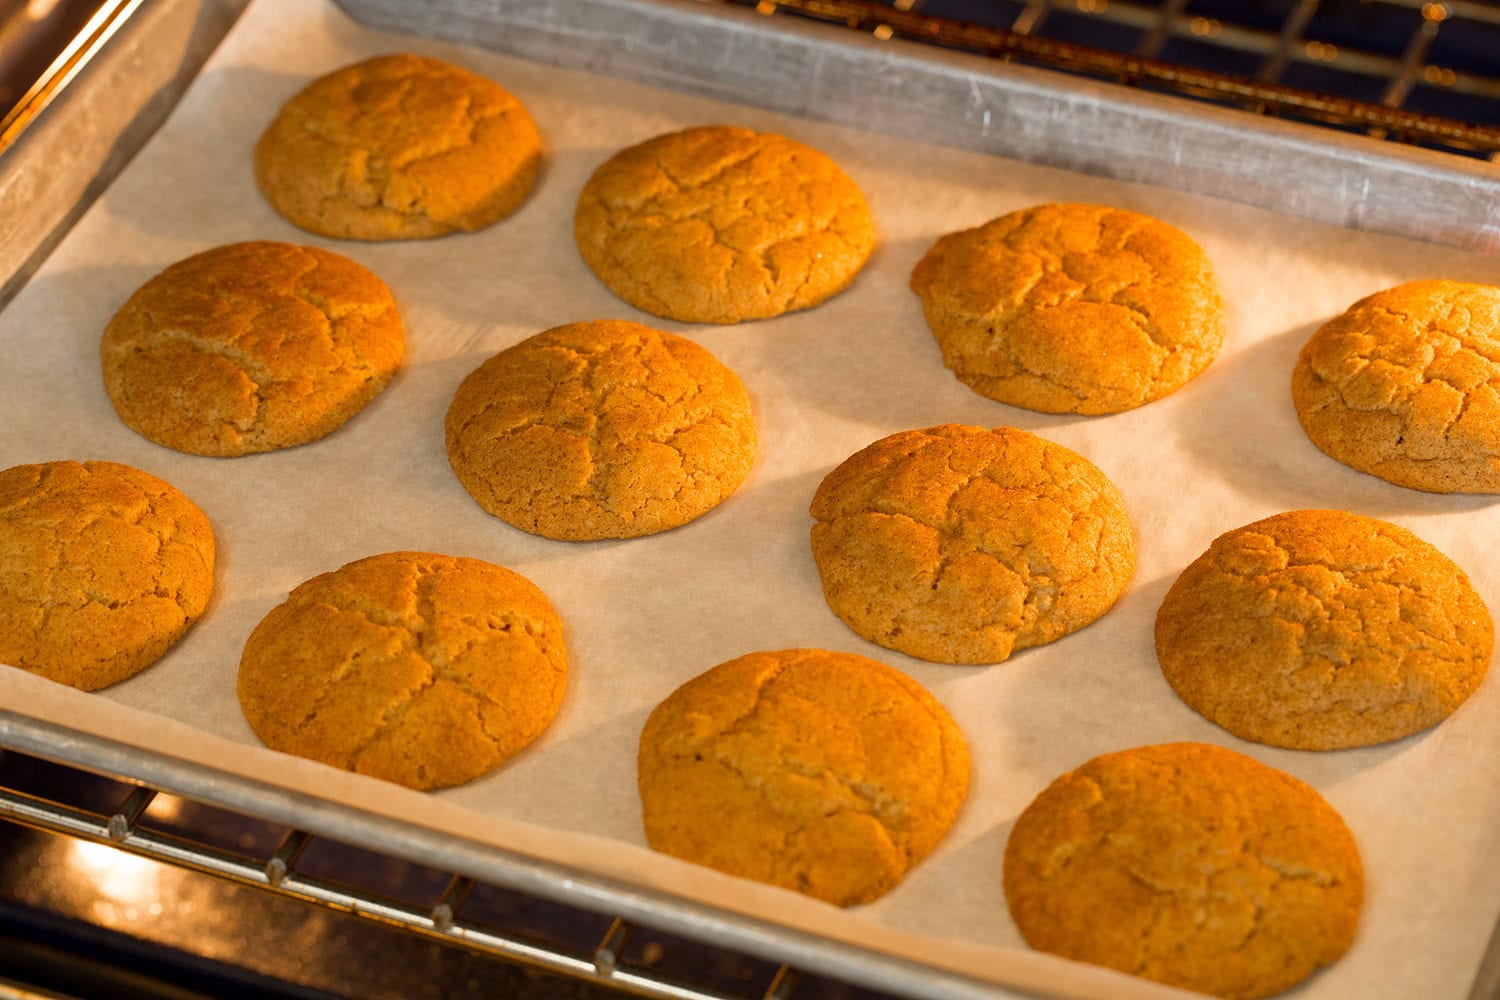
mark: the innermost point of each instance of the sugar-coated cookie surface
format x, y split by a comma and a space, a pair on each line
398, 147
721, 224
1321, 629
103, 568
823, 772
1405, 385
250, 347
425, 670
1072, 308
1188, 864
601, 429
962, 545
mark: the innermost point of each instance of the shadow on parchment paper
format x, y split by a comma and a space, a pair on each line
1268, 456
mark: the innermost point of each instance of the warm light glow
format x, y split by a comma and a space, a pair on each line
1322, 51
1435, 11
904, 4
1205, 26
765, 7
1439, 76
120, 876
36, 10
1092, 6
884, 32
165, 807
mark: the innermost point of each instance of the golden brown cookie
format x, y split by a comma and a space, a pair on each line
250, 347
425, 670
721, 224
1070, 308
962, 545
1320, 629
1405, 385
604, 429
1188, 864
827, 773
398, 147
102, 569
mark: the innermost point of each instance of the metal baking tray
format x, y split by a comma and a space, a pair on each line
806, 69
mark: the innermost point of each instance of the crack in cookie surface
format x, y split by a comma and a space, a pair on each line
822, 772
1321, 630
721, 225
607, 429
1405, 385
422, 669
963, 545
102, 569
1072, 308
251, 347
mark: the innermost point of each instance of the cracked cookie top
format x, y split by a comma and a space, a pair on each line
425, 670
827, 773
250, 347
1070, 308
1405, 385
102, 569
962, 545
603, 429
1320, 629
1188, 864
398, 147
721, 224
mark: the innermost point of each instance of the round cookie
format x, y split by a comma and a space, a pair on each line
822, 772
604, 429
1405, 385
398, 147
1069, 308
102, 569
250, 347
1188, 864
1320, 629
721, 224
425, 670
962, 545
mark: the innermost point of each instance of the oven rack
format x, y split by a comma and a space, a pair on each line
613, 960
1293, 59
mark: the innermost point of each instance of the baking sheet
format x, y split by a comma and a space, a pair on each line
644, 615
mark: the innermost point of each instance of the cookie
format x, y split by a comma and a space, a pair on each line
827, 773
102, 569
962, 545
425, 670
1070, 308
604, 429
1405, 385
721, 224
1320, 629
1187, 864
398, 147
250, 347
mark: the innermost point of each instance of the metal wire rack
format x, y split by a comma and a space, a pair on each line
1418, 71
583, 947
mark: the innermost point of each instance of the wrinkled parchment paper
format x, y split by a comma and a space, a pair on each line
644, 615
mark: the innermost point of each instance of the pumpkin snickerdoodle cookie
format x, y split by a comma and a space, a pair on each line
425, 670
1188, 864
1321, 629
823, 772
251, 347
962, 545
398, 147
103, 568
721, 224
603, 429
1405, 385
1071, 308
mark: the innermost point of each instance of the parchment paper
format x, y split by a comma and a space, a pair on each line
644, 615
